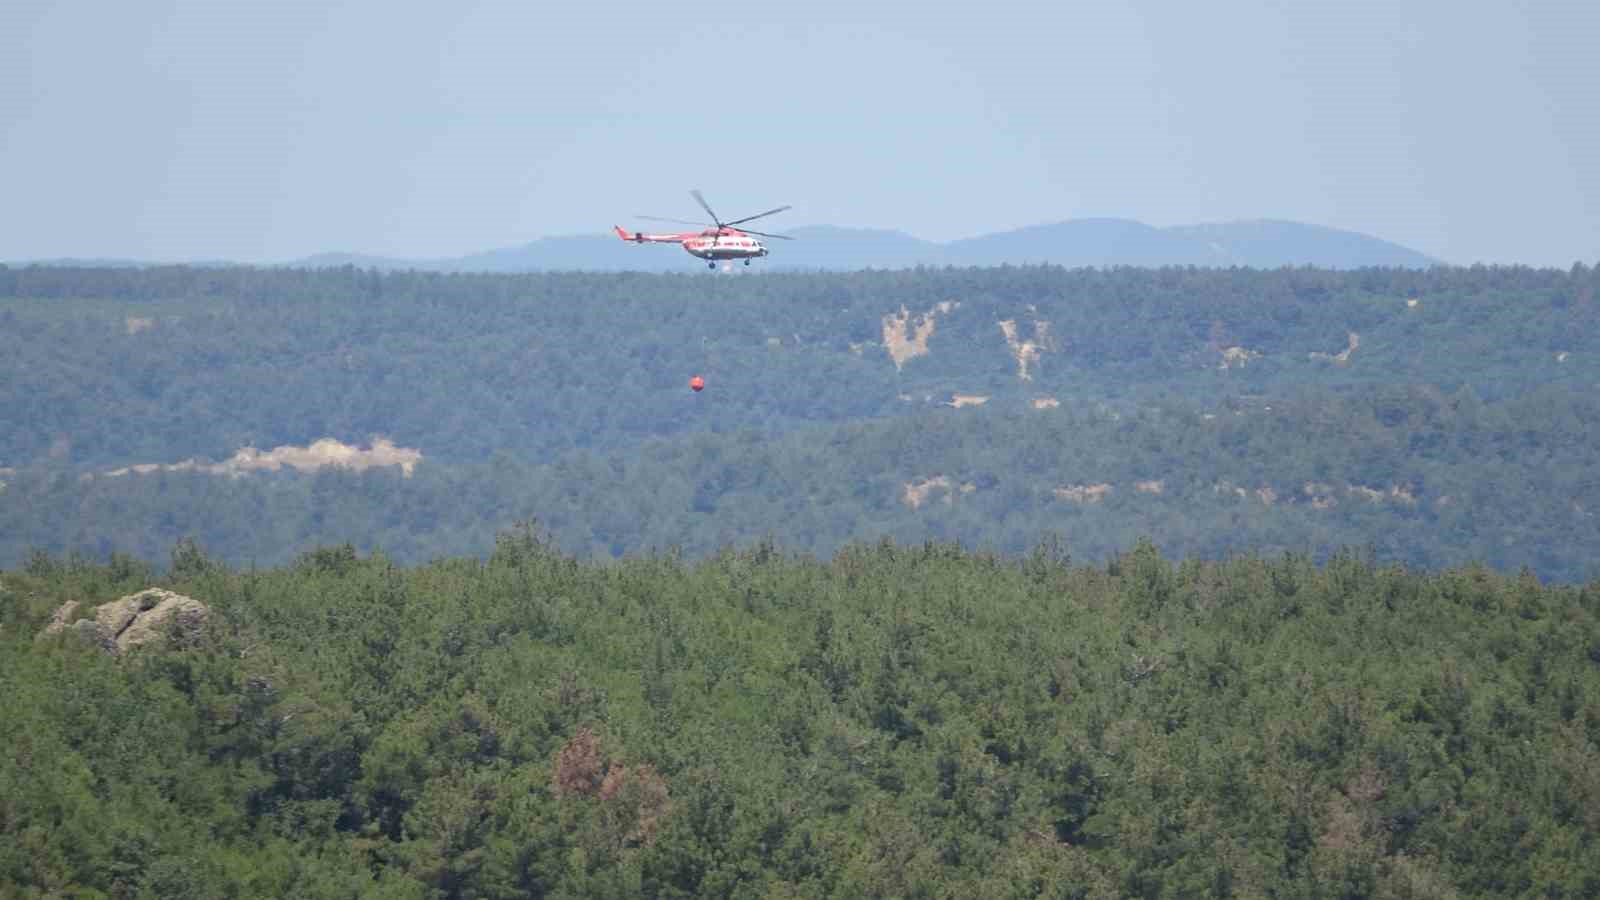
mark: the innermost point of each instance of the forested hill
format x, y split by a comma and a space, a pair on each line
894, 722
1439, 415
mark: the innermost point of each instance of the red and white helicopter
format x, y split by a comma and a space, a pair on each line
719, 240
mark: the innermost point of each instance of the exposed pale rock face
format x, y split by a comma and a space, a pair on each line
1026, 352
1083, 493
916, 492
1237, 357
1343, 356
58, 622
906, 336
121, 625
321, 454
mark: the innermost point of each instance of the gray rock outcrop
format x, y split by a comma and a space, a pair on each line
121, 625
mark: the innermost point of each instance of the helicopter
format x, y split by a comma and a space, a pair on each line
718, 240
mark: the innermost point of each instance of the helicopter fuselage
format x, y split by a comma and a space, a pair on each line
718, 241
728, 243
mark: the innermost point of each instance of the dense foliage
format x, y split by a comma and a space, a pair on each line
108, 367
1425, 477
1457, 424
896, 721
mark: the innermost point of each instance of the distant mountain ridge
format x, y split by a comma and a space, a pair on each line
1099, 242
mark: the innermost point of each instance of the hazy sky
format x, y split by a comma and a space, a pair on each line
213, 129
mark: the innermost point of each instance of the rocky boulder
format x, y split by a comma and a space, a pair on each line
123, 624
58, 622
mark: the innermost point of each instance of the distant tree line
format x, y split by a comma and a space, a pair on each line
1424, 476
109, 367
1441, 416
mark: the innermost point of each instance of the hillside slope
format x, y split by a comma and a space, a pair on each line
124, 367
899, 721
1439, 415
1268, 244
1083, 242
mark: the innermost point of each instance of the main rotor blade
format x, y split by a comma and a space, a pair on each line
705, 206
758, 215
781, 237
679, 221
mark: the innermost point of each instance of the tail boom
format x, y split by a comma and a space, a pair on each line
639, 237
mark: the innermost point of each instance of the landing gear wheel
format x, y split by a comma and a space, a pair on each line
747, 262
712, 264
